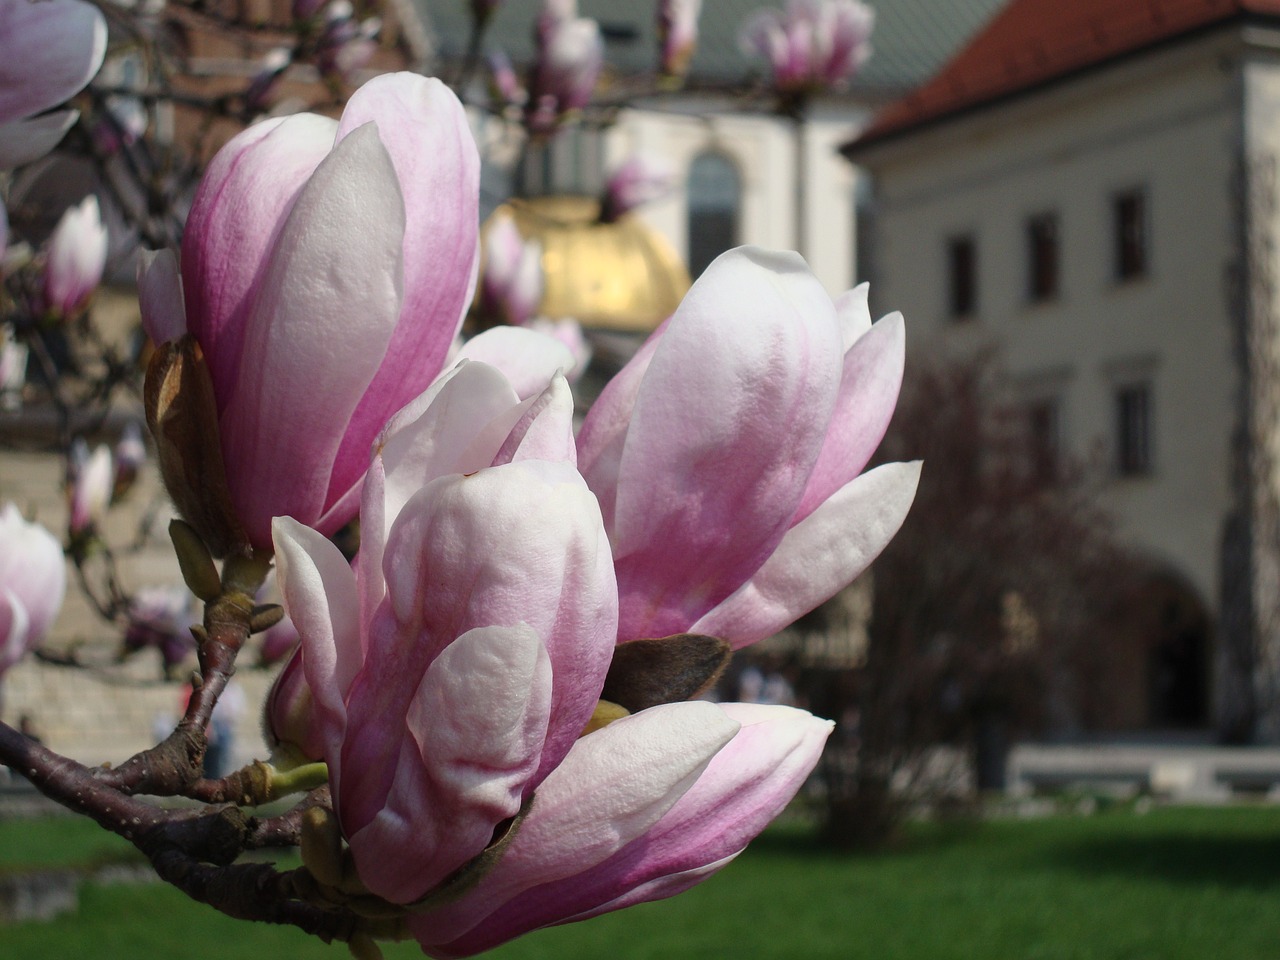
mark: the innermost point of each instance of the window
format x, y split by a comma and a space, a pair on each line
1043, 440
1042, 257
1133, 430
962, 276
1129, 213
715, 202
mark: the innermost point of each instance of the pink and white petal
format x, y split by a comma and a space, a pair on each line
604, 431
239, 210
517, 543
22, 141
854, 314
320, 596
478, 720
164, 315
433, 151
14, 629
744, 787
613, 786
818, 557
338, 256
441, 438
869, 389
728, 424
54, 49
545, 428
530, 360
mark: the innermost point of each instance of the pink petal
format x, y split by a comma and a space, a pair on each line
545, 428
236, 218
518, 543
164, 315
819, 556
22, 141
32, 567
610, 790
728, 423
427, 136
319, 593
853, 313
868, 393
52, 50
14, 629
746, 784
327, 305
445, 431
527, 358
475, 732
604, 431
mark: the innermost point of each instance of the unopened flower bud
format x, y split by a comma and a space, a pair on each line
77, 256
90, 492
130, 455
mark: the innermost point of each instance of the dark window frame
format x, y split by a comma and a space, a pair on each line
1131, 234
711, 228
1134, 423
1044, 257
962, 276
1044, 438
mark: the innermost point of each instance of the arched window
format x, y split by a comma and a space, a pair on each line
715, 204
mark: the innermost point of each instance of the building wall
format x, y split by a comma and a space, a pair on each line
764, 150
1166, 125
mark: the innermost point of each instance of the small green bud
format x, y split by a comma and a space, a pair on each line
196, 562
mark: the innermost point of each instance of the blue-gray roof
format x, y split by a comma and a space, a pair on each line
912, 38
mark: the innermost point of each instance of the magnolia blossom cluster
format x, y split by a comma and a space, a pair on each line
500, 684
812, 45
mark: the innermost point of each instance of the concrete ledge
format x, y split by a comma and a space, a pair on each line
1193, 774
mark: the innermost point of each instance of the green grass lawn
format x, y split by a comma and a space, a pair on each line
1175, 883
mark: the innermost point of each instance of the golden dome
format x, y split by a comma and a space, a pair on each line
614, 276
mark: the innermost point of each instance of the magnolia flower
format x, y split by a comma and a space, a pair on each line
677, 35
752, 511
638, 181
162, 617
77, 256
92, 478
813, 45
326, 267
13, 373
452, 675
570, 56
512, 280
121, 125
33, 580
474, 637
271, 69
51, 50
345, 46
130, 454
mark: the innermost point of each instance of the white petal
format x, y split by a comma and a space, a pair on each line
819, 556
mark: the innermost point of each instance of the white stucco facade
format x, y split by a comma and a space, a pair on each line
1176, 125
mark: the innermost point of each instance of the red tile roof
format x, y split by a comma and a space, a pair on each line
1031, 42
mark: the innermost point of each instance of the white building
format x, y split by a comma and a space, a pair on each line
1092, 187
